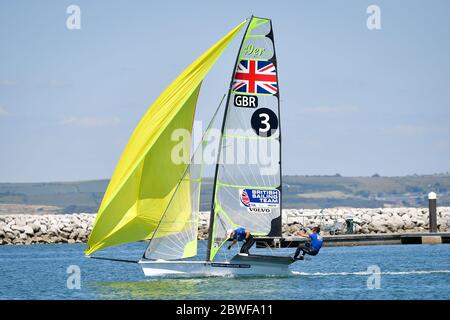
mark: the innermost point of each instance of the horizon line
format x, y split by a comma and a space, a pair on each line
337, 175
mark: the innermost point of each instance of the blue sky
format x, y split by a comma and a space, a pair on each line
354, 101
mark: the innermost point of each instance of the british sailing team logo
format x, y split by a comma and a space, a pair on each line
259, 201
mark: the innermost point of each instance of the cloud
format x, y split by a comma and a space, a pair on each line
3, 112
408, 130
405, 130
442, 144
331, 109
57, 84
7, 82
89, 122
52, 83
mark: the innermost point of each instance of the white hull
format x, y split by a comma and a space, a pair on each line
239, 265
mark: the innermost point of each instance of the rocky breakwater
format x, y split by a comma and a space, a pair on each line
75, 228
29, 229
364, 221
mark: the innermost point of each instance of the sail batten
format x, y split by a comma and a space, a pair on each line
146, 178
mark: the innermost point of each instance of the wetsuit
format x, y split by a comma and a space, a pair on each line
312, 248
239, 235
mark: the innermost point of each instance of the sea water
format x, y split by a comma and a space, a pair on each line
60, 271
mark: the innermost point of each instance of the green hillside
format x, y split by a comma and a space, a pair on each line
84, 196
299, 192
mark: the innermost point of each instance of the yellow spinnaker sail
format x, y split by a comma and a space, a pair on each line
146, 177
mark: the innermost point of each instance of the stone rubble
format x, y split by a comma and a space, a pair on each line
75, 228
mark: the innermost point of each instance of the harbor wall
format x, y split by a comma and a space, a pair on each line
75, 228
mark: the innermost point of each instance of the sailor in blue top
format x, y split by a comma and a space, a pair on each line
241, 234
312, 247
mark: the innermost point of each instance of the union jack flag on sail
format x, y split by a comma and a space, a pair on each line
254, 76
245, 200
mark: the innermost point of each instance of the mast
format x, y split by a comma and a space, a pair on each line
211, 216
277, 226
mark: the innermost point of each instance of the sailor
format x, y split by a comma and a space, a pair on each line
241, 234
312, 247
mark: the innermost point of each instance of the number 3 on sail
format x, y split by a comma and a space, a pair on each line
264, 122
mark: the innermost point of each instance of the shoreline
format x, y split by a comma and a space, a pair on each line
335, 222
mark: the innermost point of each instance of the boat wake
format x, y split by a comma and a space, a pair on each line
365, 273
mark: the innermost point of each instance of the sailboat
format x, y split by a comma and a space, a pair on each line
151, 197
